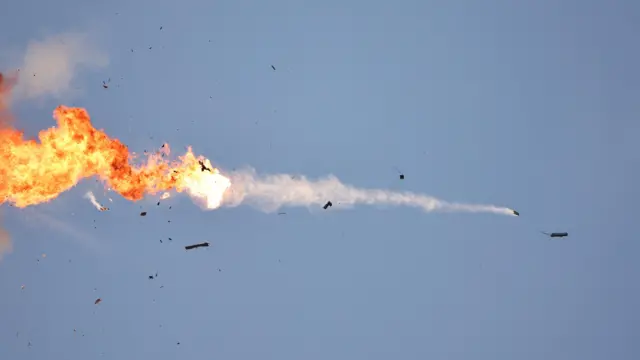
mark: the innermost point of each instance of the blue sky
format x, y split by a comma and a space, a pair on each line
531, 105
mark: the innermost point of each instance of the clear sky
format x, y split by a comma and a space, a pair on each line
527, 104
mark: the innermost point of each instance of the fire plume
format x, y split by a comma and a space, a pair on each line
34, 172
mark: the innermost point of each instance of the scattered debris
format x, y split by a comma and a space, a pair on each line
401, 176
327, 205
98, 301
150, 277
189, 247
160, 27
273, 67
515, 213
105, 84
158, 204
144, 213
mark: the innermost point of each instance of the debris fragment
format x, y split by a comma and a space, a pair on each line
150, 277
327, 205
400, 173
105, 84
89, 195
203, 167
273, 67
98, 301
22, 287
144, 213
189, 247
515, 213
556, 234
282, 213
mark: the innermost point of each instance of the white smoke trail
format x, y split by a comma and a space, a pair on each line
89, 195
271, 192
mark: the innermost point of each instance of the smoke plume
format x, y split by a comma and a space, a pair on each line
271, 192
50, 65
5, 242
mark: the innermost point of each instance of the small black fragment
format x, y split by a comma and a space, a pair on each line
189, 247
327, 205
144, 213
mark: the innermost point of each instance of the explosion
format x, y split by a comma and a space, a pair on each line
34, 172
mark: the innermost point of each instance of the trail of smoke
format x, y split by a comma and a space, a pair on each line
5, 242
271, 192
89, 195
72, 232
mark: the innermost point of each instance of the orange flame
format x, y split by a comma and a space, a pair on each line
35, 172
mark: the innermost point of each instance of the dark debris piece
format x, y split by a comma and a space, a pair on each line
401, 176
203, 167
189, 247
327, 205
144, 213
273, 67
150, 277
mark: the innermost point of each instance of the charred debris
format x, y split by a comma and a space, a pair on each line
195, 246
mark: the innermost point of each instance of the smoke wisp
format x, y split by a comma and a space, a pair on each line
5, 242
50, 65
89, 195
